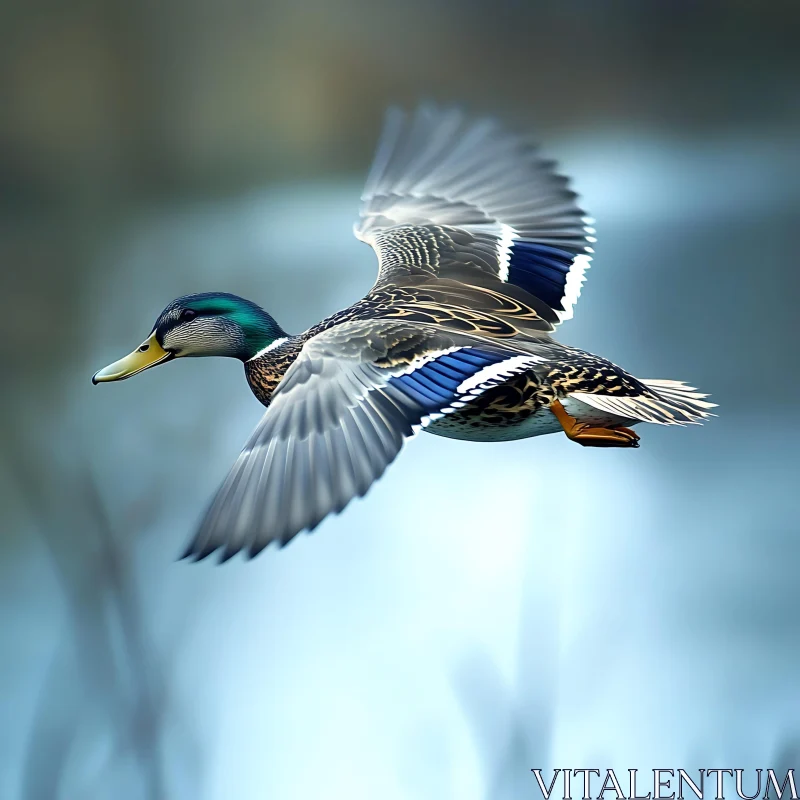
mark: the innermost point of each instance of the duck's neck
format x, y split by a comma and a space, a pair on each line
265, 370
259, 331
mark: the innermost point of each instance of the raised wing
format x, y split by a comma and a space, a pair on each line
465, 199
337, 420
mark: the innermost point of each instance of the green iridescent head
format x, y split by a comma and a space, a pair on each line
210, 324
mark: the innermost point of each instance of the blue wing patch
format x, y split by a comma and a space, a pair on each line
541, 270
435, 384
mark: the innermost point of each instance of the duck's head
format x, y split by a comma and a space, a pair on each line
212, 324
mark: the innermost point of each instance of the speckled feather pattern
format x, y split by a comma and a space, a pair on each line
492, 317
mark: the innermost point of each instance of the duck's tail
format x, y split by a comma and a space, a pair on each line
664, 402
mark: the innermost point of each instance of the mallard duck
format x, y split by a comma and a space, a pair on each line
482, 251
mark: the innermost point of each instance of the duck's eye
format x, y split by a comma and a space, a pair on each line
187, 315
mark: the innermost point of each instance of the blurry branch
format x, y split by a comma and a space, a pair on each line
148, 693
502, 739
512, 724
52, 731
110, 665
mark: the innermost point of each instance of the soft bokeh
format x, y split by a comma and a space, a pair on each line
486, 609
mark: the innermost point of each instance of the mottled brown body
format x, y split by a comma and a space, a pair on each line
508, 405
521, 404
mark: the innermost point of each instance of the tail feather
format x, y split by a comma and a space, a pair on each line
665, 403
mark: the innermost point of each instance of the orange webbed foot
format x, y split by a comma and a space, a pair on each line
590, 435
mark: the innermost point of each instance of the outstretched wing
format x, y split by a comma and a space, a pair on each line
337, 420
465, 199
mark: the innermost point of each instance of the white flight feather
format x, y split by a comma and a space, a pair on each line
496, 371
504, 242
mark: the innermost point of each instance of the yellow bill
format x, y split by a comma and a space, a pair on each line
147, 355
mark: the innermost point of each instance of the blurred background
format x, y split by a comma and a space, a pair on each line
488, 608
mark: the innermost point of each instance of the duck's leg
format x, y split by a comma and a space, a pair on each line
590, 436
